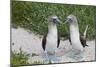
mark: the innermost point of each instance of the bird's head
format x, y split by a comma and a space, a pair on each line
54, 20
71, 19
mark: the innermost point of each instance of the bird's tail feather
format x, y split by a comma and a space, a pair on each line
84, 34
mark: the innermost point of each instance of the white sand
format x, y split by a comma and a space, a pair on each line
31, 43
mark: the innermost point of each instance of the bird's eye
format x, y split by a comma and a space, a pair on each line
54, 20
70, 20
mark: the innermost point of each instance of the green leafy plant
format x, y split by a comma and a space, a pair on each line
19, 58
33, 16
38, 62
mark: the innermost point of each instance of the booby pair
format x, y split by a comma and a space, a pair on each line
51, 40
77, 40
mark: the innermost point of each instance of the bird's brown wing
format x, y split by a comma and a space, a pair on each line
44, 42
69, 39
58, 40
83, 37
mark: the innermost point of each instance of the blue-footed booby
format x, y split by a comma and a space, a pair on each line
50, 41
77, 41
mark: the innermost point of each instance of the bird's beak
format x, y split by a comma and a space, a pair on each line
58, 21
66, 20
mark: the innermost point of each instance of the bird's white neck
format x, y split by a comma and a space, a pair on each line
52, 28
74, 31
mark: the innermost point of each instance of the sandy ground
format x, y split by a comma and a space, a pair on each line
31, 44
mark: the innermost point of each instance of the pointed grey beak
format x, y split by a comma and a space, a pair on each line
59, 22
66, 20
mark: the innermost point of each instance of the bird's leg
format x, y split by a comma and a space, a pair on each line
50, 61
46, 58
